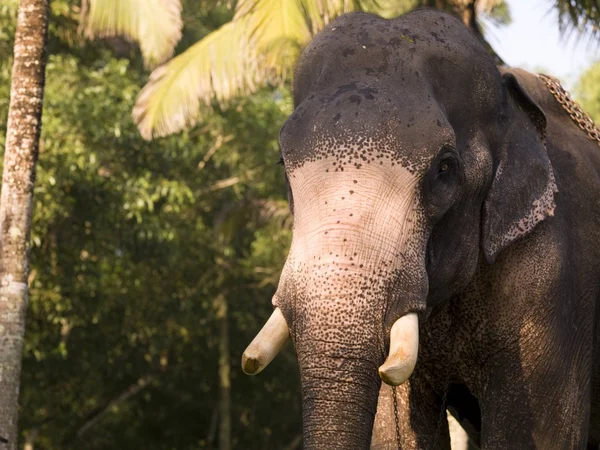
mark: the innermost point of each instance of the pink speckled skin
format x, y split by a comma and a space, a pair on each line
423, 179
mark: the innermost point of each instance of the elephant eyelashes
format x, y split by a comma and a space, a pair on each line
441, 186
447, 159
446, 166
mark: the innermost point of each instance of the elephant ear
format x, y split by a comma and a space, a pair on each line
522, 192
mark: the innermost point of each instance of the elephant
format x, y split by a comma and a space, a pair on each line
446, 222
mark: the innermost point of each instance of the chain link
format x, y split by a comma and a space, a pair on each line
440, 419
579, 116
396, 417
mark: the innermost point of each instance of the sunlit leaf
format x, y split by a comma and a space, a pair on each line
260, 46
154, 24
215, 68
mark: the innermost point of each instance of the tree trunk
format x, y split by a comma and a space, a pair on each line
30, 439
20, 157
224, 378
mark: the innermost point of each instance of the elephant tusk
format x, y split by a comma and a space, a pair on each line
266, 345
404, 348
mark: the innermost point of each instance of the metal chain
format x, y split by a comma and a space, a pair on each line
443, 414
579, 116
440, 418
396, 417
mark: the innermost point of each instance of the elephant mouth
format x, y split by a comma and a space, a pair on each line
397, 368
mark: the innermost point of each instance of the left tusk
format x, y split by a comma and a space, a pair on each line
404, 349
266, 345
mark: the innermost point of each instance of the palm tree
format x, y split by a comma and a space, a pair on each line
579, 15
154, 24
20, 157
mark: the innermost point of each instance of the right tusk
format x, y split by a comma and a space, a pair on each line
266, 345
404, 349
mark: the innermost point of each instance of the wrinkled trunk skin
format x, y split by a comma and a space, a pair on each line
355, 266
339, 399
20, 157
339, 319
338, 359
384, 428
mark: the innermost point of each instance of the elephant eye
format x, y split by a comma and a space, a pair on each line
445, 166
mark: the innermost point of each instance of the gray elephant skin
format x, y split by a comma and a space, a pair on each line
446, 240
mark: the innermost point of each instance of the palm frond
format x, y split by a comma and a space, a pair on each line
179, 91
582, 16
154, 24
321, 12
277, 29
260, 46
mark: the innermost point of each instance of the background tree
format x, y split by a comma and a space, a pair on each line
132, 242
18, 179
587, 91
155, 25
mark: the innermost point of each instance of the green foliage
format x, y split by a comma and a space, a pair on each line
578, 15
587, 91
132, 243
8, 22
499, 13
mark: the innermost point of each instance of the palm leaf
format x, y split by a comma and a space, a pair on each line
259, 47
278, 29
179, 91
582, 16
154, 24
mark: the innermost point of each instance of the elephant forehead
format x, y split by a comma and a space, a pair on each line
377, 181
370, 214
365, 124
348, 149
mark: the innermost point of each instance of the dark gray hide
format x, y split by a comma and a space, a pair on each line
489, 231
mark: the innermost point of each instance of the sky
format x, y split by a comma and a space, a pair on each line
532, 41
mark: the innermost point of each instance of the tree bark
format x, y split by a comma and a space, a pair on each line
20, 157
224, 377
30, 439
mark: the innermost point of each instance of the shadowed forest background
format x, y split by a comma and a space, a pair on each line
153, 262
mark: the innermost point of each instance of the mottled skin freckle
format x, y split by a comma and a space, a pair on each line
426, 180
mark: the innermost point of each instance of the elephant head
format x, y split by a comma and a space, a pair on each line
409, 159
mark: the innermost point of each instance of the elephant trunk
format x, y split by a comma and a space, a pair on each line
339, 399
